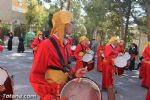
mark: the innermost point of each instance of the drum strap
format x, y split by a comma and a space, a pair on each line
66, 68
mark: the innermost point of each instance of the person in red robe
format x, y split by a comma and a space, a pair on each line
81, 49
69, 42
108, 69
120, 50
47, 76
100, 58
1, 48
36, 42
145, 68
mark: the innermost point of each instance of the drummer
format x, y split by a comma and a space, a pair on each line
81, 49
120, 50
47, 59
108, 71
100, 58
145, 69
68, 43
37, 40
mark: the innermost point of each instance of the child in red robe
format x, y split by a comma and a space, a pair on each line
36, 42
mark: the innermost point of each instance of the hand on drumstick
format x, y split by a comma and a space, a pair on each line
2, 88
80, 72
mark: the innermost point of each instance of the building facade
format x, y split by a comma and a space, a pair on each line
12, 12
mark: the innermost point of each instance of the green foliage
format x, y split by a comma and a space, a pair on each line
36, 15
5, 28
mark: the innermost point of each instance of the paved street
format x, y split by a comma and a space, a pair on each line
128, 86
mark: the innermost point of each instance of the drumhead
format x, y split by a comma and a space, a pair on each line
91, 52
81, 89
127, 56
3, 76
87, 57
120, 62
73, 47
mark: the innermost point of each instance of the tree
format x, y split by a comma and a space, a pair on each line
36, 15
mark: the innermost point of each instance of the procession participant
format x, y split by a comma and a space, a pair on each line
145, 69
133, 51
108, 69
36, 42
1, 48
81, 49
148, 95
69, 42
100, 58
48, 74
120, 50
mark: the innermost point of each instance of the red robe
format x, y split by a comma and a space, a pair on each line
1, 48
120, 49
36, 42
148, 95
46, 56
145, 67
99, 59
108, 66
68, 45
79, 63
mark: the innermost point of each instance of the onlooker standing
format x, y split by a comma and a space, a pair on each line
21, 44
133, 51
9, 47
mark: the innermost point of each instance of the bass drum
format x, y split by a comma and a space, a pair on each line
5, 81
81, 89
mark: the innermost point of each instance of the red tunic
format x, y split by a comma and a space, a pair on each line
68, 45
120, 49
145, 67
46, 56
108, 69
99, 58
36, 42
79, 63
148, 95
79, 49
1, 48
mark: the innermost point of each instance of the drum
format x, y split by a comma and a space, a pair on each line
127, 56
87, 57
81, 89
73, 47
120, 62
5, 81
3, 77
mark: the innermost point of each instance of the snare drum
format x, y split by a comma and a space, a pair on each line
88, 61
81, 89
5, 81
120, 62
127, 56
73, 47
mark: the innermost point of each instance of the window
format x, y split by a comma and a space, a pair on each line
20, 2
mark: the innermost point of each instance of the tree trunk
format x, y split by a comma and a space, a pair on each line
61, 4
68, 5
148, 22
127, 21
121, 19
